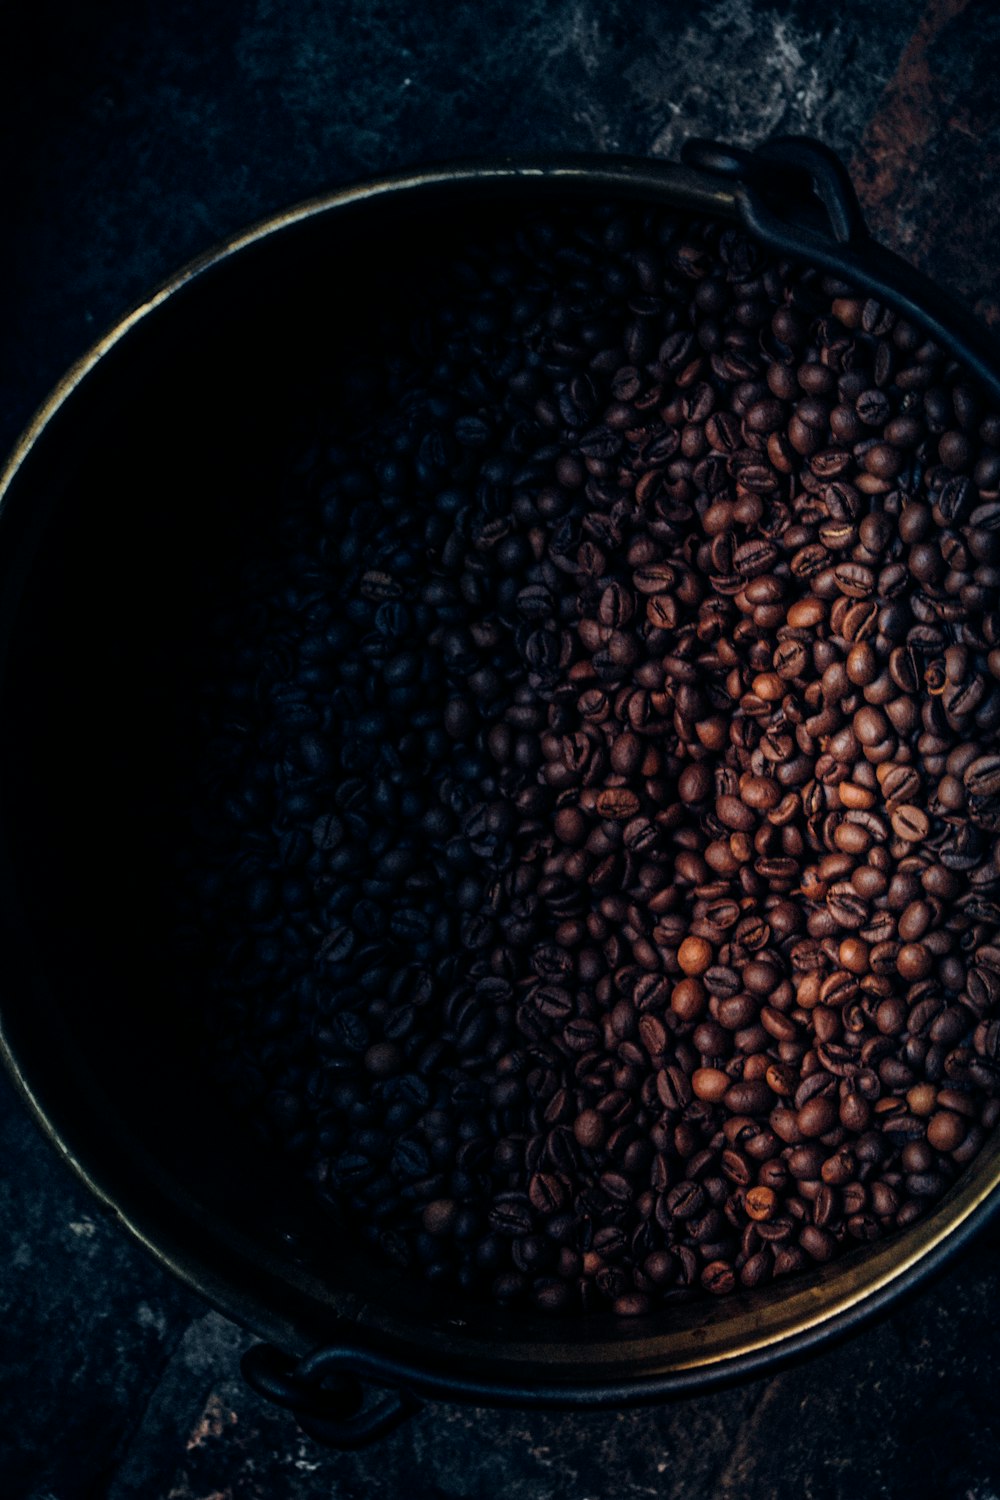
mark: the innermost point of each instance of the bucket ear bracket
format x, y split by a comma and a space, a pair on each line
330, 1405
793, 193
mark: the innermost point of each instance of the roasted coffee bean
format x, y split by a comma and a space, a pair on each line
910, 823
510, 1215
761, 1203
594, 864
685, 1201
617, 804
719, 1278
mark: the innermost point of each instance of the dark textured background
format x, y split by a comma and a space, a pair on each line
134, 134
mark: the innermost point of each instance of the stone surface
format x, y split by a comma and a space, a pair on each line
131, 138
854, 1421
88, 1323
926, 162
138, 136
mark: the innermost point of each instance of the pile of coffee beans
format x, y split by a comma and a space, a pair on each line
594, 859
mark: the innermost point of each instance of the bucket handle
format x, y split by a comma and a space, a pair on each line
331, 1407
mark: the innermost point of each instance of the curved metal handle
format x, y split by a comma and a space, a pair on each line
795, 195
828, 177
804, 172
329, 1407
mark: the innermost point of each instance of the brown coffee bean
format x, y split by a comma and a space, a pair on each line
719, 1278
761, 1203
694, 956
818, 1243
945, 1130
870, 726
735, 814
617, 804
590, 1129
695, 783
780, 1079
862, 665
883, 461
914, 921
710, 1084
914, 961
627, 753
854, 955
687, 1000
817, 1117
571, 826
910, 823
749, 1097
440, 1216
653, 1035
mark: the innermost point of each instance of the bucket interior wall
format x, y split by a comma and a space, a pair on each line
125, 533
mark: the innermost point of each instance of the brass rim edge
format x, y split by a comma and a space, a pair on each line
194, 1272
189, 272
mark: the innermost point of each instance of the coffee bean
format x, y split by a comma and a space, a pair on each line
946, 1131
686, 1200
440, 1216
761, 1203
719, 1278
910, 823
590, 1129
694, 956
617, 804
749, 1097
631, 1305
510, 1215
817, 1116
547, 1193
914, 961
653, 1035
710, 1084
846, 907
695, 783
818, 1243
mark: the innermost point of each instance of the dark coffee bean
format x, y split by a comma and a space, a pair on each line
756, 1269
848, 909
695, 783
327, 832
818, 1243
749, 1098
510, 1215
855, 580
590, 1129
440, 1216
722, 981
817, 1116
686, 1200
872, 406
547, 1193
653, 1035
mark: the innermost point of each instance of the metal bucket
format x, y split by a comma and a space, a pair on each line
109, 497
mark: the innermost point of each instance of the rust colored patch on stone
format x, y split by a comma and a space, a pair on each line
212, 1423
907, 116
923, 168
